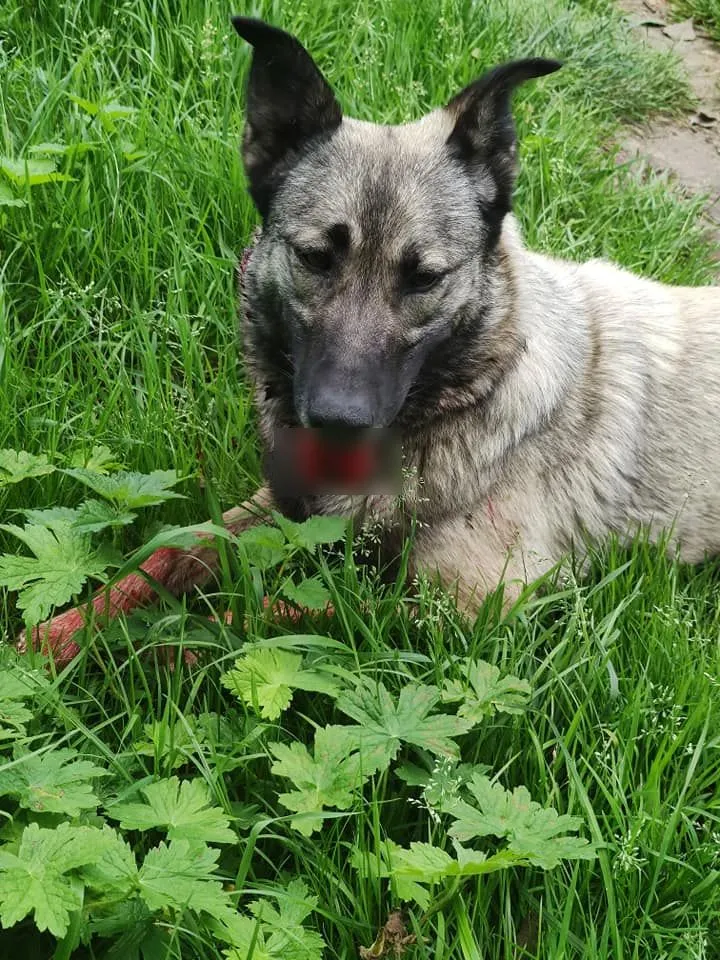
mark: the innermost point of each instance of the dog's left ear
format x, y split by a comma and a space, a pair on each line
484, 132
289, 103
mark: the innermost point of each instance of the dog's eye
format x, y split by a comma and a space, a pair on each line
422, 281
315, 258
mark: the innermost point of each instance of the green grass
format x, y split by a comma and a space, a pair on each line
704, 12
118, 326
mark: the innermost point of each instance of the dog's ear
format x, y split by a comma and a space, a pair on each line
289, 102
484, 132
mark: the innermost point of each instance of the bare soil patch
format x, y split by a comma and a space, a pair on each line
688, 148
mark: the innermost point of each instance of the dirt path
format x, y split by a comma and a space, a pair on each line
689, 147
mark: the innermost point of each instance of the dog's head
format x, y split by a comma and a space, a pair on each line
377, 241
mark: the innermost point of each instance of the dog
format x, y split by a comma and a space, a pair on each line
539, 403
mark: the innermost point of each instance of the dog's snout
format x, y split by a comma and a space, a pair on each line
332, 407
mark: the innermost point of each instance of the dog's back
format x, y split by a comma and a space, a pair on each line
661, 362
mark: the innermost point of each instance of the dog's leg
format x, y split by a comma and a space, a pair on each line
473, 555
176, 570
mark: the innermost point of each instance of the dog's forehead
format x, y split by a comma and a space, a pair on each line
392, 186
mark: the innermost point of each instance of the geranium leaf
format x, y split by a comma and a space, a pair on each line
184, 809
17, 465
52, 782
266, 678
63, 561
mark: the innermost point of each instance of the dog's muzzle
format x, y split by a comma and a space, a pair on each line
307, 461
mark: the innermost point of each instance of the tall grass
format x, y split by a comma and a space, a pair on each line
118, 326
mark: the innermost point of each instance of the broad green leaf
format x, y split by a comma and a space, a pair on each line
117, 110
89, 106
285, 936
425, 863
319, 530
309, 594
385, 724
549, 851
13, 717
406, 886
289, 529
266, 678
184, 809
18, 681
263, 546
486, 692
51, 782
163, 740
294, 906
64, 560
108, 113
130, 924
475, 863
247, 938
17, 684
443, 782
312, 532
181, 876
91, 516
131, 151
113, 872
51, 516
17, 465
38, 879
31, 172
326, 779
100, 459
129, 490
421, 865
413, 775
8, 198
62, 149
95, 515
536, 834
422, 861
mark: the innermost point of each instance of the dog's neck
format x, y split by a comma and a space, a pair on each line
520, 366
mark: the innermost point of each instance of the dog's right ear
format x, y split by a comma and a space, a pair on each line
289, 103
483, 136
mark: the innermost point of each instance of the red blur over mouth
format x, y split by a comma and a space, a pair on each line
322, 460
308, 461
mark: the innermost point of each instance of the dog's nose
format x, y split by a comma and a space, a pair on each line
329, 407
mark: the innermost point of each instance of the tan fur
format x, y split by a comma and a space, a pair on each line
607, 420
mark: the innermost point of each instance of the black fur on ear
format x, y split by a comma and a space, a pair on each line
289, 103
484, 133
